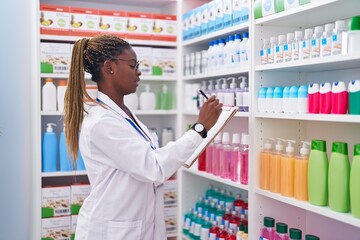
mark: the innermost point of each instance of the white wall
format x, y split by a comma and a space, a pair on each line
18, 116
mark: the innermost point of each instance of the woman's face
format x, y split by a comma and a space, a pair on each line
126, 74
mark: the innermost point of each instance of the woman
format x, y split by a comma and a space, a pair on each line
124, 166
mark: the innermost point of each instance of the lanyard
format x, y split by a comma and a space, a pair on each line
132, 124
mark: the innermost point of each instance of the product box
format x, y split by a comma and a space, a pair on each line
197, 22
164, 62
204, 19
245, 6
58, 228
219, 15
170, 216
191, 24
237, 12
139, 25
257, 9
185, 26
227, 7
170, 193
73, 226
289, 4
268, 7
55, 57
84, 22
164, 27
54, 19
55, 201
279, 6
211, 16
78, 194
113, 22
302, 2
145, 58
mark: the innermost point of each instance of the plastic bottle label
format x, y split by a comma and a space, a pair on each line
204, 233
295, 51
279, 54
326, 46
336, 44
263, 56
315, 47
270, 55
287, 53
212, 236
306, 49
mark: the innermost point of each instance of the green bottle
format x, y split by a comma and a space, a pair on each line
354, 182
164, 98
318, 173
339, 175
311, 237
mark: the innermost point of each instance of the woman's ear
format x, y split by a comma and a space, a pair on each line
108, 67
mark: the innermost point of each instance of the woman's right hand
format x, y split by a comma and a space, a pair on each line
210, 112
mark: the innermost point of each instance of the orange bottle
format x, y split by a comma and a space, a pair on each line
275, 167
265, 164
287, 170
301, 170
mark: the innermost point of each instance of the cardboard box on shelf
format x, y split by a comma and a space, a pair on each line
170, 216
139, 25
54, 20
113, 22
56, 228
84, 22
78, 194
164, 27
170, 193
55, 201
144, 56
164, 62
55, 57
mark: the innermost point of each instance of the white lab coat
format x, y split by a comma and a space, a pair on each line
126, 175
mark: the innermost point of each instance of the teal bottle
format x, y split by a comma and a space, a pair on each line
49, 149
199, 205
187, 220
205, 228
209, 193
66, 163
318, 167
339, 177
197, 228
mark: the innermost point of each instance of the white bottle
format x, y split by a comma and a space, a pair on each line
243, 49
264, 52
235, 49
288, 47
210, 89
229, 98
132, 101
262, 100
221, 93
49, 95
147, 99
192, 63
61, 89
336, 43
217, 90
227, 52
306, 44
302, 103
286, 100
246, 95
315, 42
271, 50
277, 99
214, 56
203, 61
279, 49
187, 65
197, 63
167, 135
296, 46
210, 53
325, 49
220, 54
269, 99
293, 99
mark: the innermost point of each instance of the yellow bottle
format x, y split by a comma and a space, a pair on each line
265, 164
287, 170
300, 175
275, 167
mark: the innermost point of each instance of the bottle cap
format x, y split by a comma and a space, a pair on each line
303, 91
354, 23
243, 82
268, 143
290, 146
313, 88
233, 82
281, 227
241, 227
338, 86
356, 150
246, 229
218, 138
319, 29
354, 86
278, 92
245, 35
325, 87
237, 36
262, 92
304, 150
165, 88
49, 80
265, 41
286, 91
290, 37
224, 84
282, 38
298, 35
311, 237
294, 92
226, 138
273, 40
244, 139
49, 127
295, 233
329, 27
231, 38
236, 138
340, 147
319, 145
269, 222
279, 144
62, 82
308, 32
269, 92
221, 40
340, 25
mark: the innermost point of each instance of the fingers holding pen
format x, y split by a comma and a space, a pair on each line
210, 112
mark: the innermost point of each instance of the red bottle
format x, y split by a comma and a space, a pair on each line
213, 231
313, 98
339, 98
222, 234
202, 161
231, 235
226, 218
325, 98
234, 221
238, 204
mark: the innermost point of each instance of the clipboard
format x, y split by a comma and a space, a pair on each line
227, 113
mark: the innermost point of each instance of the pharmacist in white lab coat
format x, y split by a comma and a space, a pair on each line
124, 164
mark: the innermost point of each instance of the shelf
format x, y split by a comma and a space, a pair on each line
220, 73
312, 14
53, 113
63, 174
342, 118
315, 64
325, 211
155, 112
88, 76
224, 32
196, 113
216, 178
131, 41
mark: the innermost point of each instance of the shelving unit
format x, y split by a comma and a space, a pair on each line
63, 174
222, 73
88, 76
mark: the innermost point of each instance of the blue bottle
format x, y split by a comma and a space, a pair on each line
66, 163
49, 149
80, 166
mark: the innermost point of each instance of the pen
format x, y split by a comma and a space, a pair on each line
202, 93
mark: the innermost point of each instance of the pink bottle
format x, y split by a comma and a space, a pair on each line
216, 155
225, 155
235, 163
222, 233
313, 98
244, 158
281, 231
209, 157
325, 98
339, 98
202, 161
268, 231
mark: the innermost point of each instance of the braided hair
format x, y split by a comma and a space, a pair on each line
88, 55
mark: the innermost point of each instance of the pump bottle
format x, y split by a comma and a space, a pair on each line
288, 47
301, 173
147, 99
225, 155
165, 98
326, 40
65, 160
235, 163
336, 43
265, 166
229, 98
49, 95
244, 151
354, 182
279, 49
296, 46
306, 44
287, 170
216, 155
49, 149
339, 175
275, 166
246, 95
318, 174
315, 42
